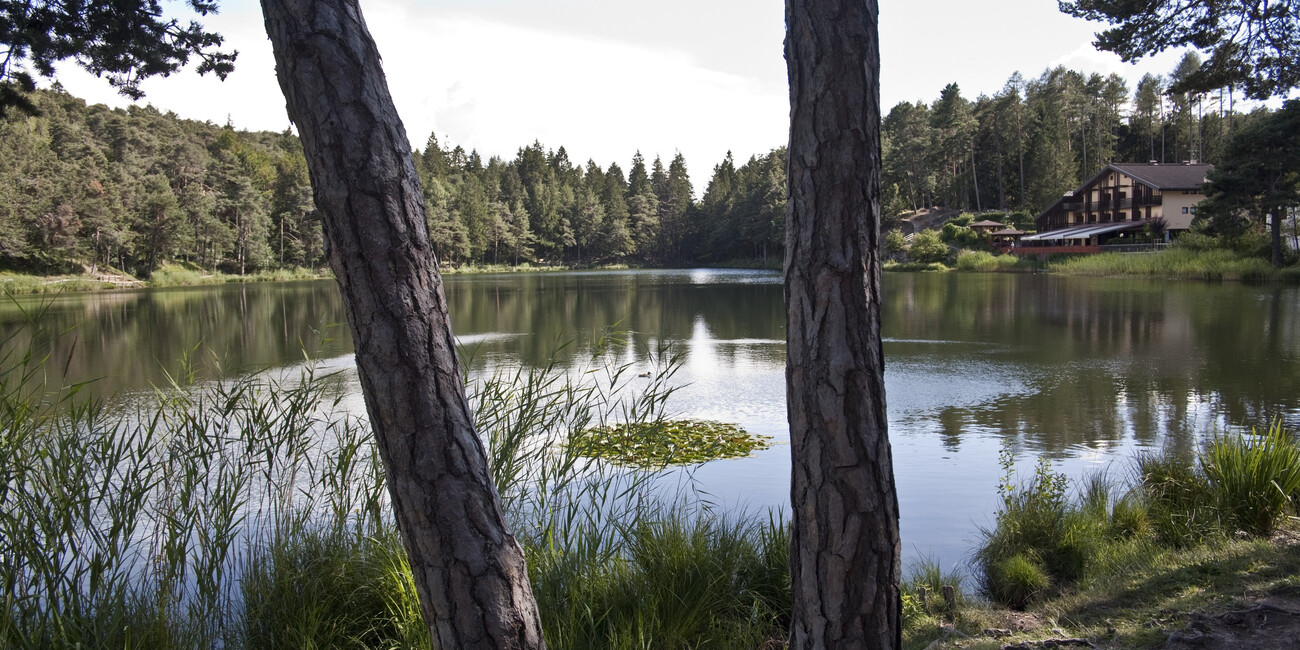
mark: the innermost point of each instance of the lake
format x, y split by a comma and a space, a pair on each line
1086, 372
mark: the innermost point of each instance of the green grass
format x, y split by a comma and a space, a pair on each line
1044, 542
680, 578
1178, 499
1253, 477
330, 589
1151, 587
188, 275
1175, 262
525, 267
17, 283
167, 275
985, 262
1122, 565
914, 267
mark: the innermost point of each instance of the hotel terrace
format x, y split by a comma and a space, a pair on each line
1117, 204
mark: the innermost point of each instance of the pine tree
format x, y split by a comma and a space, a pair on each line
161, 225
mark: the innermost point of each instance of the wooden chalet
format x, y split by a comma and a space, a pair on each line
1115, 205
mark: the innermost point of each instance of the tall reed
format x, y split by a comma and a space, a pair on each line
252, 512
129, 526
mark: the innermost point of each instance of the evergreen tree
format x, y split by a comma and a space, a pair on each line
676, 205
617, 234
909, 140
1260, 175
161, 225
126, 42
954, 129
1147, 119
242, 209
1255, 46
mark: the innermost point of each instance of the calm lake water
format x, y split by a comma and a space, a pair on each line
1083, 371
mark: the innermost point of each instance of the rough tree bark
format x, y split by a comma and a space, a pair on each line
469, 570
844, 555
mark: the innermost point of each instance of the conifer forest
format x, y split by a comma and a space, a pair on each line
84, 188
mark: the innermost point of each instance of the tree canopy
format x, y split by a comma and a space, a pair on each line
1259, 175
126, 41
1251, 45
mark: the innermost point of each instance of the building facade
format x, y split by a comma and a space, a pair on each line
1117, 204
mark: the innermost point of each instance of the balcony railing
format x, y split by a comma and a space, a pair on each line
1124, 203
1134, 248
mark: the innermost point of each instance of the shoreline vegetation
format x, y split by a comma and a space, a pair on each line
144, 191
252, 513
1173, 263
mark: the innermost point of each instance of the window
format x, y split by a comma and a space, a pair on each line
1185, 210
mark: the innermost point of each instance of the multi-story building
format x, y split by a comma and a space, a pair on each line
1116, 204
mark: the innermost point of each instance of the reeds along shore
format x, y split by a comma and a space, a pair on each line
1240, 484
252, 512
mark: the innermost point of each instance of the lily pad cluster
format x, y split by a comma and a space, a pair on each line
668, 442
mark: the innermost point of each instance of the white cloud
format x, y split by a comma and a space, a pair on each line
496, 87
1085, 58
605, 79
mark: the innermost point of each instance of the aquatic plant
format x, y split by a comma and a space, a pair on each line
667, 442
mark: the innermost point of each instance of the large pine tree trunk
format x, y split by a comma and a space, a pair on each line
845, 550
469, 570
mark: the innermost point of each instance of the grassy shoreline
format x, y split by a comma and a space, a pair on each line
1172, 263
321, 563
177, 275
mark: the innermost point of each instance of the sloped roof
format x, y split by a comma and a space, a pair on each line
1166, 176
987, 223
1160, 176
1084, 232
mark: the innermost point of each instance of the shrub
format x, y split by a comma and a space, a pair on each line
894, 242
957, 232
1020, 220
984, 262
927, 247
1129, 519
1030, 528
1180, 506
1017, 580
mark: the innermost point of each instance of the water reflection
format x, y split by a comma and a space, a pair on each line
1060, 362
1082, 370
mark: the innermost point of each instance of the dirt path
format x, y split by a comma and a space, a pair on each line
928, 219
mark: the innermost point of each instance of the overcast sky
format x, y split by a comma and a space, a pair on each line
605, 78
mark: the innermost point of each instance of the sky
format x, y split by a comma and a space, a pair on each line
607, 78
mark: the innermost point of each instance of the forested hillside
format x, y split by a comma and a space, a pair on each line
88, 186
1037, 138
